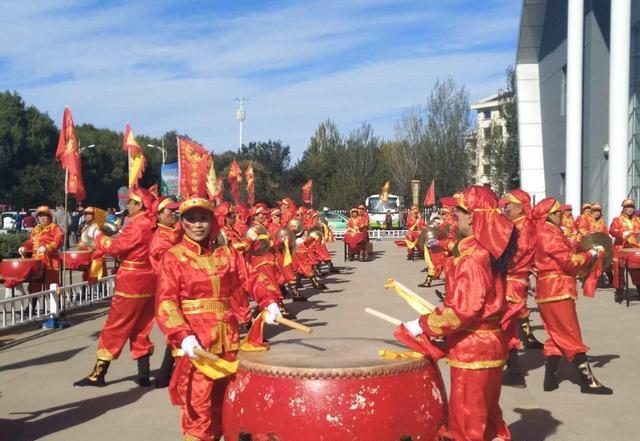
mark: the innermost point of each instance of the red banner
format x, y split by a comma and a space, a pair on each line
307, 192
193, 167
69, 156
248, 174
235, 178
430, 197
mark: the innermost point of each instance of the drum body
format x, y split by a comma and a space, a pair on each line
21, 270
629, 258
76, 260
334, 390
355, 241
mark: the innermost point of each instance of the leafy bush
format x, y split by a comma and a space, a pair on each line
9, 244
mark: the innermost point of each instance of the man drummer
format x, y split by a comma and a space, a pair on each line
196, 314
557, 264
584, 222
517, 208
162, 240
132, 308
624, 229
354, 238
568, 223
45, 240
475, 345
598, 224
415, 224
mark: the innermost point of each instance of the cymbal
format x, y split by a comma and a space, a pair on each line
601, 239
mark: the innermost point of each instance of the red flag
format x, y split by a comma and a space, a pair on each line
430, 197
254, 340
69, 156
307, 192
193, 167
235, 178
137, 161
420, 344
251, 196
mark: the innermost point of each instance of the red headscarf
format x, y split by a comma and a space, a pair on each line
146, 198
221, 211
490, 228
521, 197
543, 209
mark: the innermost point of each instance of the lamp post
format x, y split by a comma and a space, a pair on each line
162, 150
241, 116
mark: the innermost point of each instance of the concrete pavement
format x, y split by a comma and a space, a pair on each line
37, 368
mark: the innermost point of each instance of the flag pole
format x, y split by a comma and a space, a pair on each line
66, 233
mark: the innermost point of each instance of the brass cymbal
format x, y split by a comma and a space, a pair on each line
601, 239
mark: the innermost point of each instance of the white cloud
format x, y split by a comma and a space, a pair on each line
298, 64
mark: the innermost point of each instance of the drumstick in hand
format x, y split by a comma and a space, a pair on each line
205, 354
383, 316
391, 283
294, 325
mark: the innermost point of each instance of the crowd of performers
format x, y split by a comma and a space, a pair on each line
493, 248
194, 269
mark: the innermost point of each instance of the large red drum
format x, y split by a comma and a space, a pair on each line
629, 258
76, 260
333, 390
355, 241
20, 270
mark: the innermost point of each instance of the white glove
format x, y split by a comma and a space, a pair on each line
189, 344
21, 251
626, 234
42, 249
273, 311
414, 327
593, 252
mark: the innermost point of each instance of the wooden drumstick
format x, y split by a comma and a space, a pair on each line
205, 354
383, 316
412, 294
294, 325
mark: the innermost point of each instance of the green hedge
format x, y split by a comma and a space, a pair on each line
9, 244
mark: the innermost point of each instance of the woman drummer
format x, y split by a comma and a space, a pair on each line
199, 293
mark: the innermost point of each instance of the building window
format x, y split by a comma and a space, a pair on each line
486, 132
486, 114
563, 91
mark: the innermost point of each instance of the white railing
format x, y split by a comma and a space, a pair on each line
376, 234
52, 303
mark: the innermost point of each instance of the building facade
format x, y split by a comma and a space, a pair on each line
578, 91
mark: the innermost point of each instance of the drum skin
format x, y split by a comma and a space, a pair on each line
75, 260
358, 396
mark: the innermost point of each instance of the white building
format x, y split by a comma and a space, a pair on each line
578, 89
488, 115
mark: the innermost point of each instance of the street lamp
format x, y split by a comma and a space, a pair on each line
241, 116
162, 149
81, 149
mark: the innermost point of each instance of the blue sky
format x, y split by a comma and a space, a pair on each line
179, 65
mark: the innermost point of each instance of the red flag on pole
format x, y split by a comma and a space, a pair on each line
69, 156
193, 167
248, 174
136, 159
430, 197
235, 178
307, 192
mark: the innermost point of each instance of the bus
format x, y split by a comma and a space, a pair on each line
377, 209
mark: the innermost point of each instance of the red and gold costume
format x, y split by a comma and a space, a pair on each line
624, 230
415, 224
476, 347
288, 210
557, 264
584, 223
568, 224
355, 236
161, 241
131, 314
230, 236
598, 224
51, 237
200, 293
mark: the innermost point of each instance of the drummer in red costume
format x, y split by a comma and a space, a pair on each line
162, 240
45, 240
415, 224
624, 229
476, 347
317, 245
584, 222
517, 208
355, 234
568, 224
598, 224
288, 210
225, 215
558, 263
131, 314
200, 288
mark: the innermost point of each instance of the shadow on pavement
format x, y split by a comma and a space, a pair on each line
44, 359
534, 425
34, 426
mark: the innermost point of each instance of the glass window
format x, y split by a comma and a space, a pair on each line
486, 114
486, 132
378, 206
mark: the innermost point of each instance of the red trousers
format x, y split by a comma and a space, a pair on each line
200, 398
560, 321
285, 272
517, 301
320, 252
129, 319
474, 408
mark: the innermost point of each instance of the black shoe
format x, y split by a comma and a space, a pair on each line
512, 375
316, 284
285, 312
143, 372
589, 384
528, 339
617, 297
333, 269
426, 283
409, 257
96, 378
440, 295
550, 370
295, 294
424, 270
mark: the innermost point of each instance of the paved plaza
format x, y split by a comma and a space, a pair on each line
37, 367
